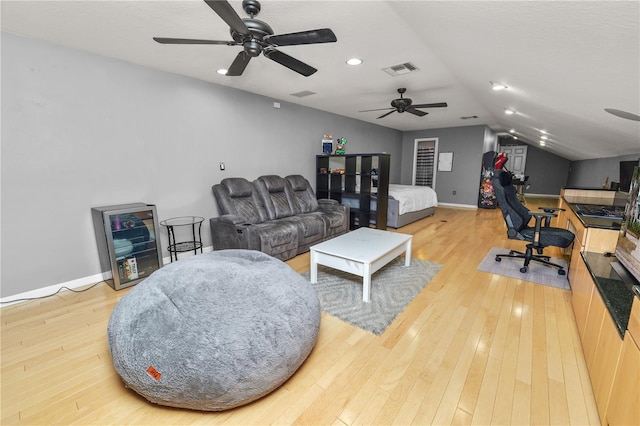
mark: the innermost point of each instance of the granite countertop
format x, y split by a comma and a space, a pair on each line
616, 294
576, 204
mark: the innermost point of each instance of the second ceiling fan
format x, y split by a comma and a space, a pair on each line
257, 37
406, 105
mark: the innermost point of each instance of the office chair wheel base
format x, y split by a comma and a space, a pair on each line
561, 272
523, 269
498, 259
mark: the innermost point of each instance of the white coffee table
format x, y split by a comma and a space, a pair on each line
361, 252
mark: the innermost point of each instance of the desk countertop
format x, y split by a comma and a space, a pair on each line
615, 293
603, 222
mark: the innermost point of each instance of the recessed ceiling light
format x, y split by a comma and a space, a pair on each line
354, 61
498, 86
543, 143
515, 137
543, 131
509, 111
222, 71
512, 131
544, 137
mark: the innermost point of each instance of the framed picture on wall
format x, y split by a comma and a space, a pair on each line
445, 161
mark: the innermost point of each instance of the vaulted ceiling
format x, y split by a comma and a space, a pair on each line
563, 62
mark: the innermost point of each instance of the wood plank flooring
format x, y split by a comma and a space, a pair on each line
472, 348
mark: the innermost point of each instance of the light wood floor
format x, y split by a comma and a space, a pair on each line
472, 348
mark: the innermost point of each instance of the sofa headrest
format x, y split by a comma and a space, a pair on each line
237, 187
273, 183
297, 182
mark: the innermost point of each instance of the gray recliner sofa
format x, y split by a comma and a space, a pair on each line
277, 216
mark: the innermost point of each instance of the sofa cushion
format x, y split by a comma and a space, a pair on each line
276, 196
275, 238
237, 196
304, 197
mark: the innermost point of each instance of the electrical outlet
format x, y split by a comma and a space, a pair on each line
221, 166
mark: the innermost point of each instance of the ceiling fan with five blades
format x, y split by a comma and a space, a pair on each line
257, 37
406, 105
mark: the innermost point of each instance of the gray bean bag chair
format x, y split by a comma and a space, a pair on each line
214, 331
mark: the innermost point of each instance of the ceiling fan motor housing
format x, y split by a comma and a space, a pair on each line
252, 41
401, 104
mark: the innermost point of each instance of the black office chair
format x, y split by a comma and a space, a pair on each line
517, 218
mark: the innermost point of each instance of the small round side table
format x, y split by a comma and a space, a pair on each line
178, 247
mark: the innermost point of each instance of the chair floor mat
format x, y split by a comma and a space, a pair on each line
537, 273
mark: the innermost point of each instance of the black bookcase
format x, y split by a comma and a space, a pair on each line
360, 181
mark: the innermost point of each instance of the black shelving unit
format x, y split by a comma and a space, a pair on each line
360, 181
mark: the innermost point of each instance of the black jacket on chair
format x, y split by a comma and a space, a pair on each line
518, 219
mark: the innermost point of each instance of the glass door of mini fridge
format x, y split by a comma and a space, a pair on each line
130, 232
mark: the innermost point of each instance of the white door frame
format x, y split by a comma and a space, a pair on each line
416, 142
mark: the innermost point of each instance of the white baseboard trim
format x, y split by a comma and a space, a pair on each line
79, 282
53, 289
460, 206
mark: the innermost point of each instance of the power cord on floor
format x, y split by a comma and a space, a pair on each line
49, 295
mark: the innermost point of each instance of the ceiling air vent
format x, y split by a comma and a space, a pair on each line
303, 93
401, 69
468, 117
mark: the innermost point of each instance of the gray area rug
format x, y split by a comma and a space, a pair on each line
537, 273
392, 288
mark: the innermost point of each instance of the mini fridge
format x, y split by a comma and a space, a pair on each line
126, 235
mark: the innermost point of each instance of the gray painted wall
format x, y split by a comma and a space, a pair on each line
80, 130
467, 144
594, 173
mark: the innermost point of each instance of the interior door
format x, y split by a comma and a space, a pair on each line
517, 155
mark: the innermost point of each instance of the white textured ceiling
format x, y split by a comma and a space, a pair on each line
564, 62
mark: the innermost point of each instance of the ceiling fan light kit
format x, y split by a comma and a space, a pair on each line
257, 37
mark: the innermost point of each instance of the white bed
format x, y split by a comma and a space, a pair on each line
408, 203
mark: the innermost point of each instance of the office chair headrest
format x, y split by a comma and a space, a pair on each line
505, 178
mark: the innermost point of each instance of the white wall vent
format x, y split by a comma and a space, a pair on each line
401, 69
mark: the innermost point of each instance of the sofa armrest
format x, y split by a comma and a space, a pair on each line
327, 202
228, 232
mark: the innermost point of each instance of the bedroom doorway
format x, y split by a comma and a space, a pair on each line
424, 156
